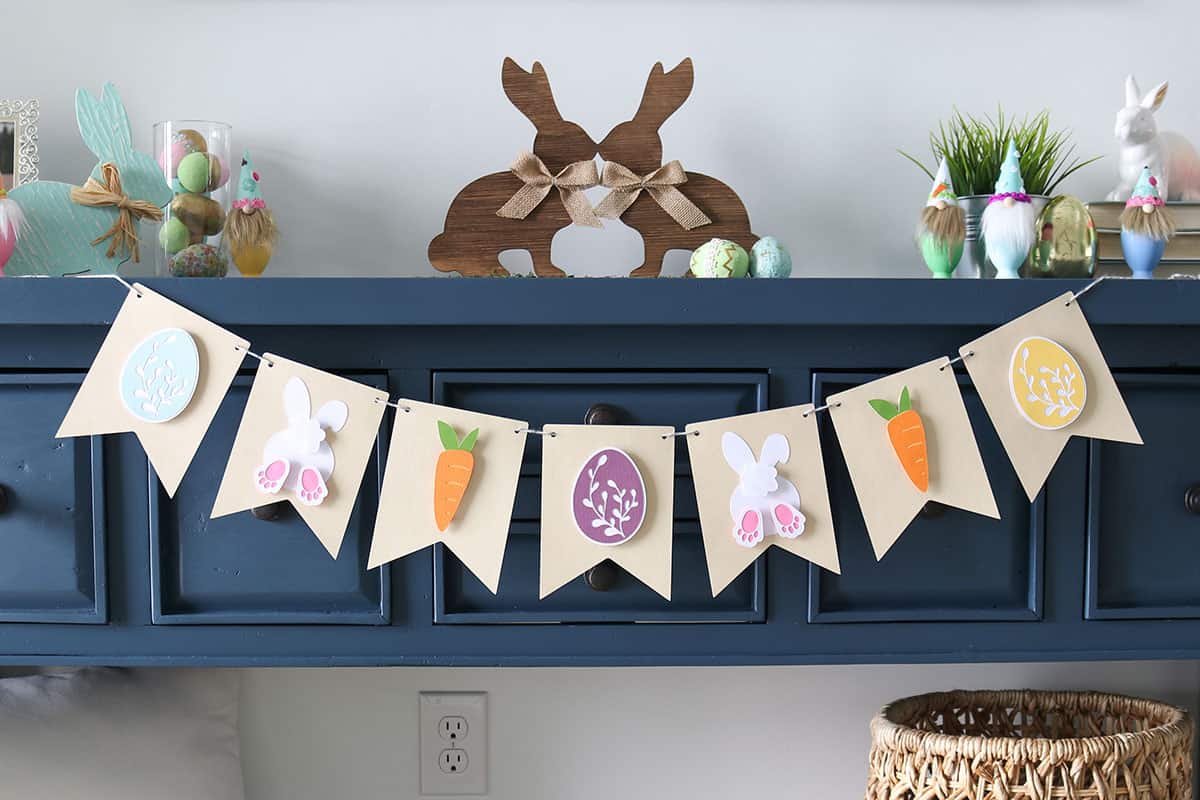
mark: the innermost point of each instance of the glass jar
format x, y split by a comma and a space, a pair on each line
195, 157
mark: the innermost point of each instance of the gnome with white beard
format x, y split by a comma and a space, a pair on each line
1010, 220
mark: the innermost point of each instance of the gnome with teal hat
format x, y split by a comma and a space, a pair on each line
942, 229
1009, 222
250, 229
1146, 225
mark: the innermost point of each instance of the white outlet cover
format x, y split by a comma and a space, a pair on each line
472, 707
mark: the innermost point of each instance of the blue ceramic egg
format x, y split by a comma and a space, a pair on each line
770, 259
160, 375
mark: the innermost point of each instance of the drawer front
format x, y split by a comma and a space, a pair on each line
242, 570
52, 535
950, 565
637, 398
1143, 542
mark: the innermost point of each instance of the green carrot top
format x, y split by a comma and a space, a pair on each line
450, 440
887, 409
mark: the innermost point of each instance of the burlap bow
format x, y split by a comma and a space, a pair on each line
570, 182
123, 232
662, 184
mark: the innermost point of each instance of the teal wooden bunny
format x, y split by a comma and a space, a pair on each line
63, 234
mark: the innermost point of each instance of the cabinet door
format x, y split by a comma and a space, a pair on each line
950, 565
52, 530
641, 398
1143, 537
239, 569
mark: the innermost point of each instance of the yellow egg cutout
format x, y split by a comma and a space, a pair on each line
1047, 383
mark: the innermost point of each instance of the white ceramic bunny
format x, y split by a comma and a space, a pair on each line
298, 457
761, 494
1168, 155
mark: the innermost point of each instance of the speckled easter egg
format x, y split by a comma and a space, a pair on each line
183, 142
720, 258
199, 261
173, 236
202, 215
770, 259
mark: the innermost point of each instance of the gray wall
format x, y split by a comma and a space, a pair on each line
367, 116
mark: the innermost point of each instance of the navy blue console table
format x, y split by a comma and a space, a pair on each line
99, 566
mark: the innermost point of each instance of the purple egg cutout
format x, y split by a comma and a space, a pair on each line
609, 498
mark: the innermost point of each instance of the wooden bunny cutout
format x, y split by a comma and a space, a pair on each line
474, 234
636, 146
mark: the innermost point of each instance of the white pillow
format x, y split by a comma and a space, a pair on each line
121, 734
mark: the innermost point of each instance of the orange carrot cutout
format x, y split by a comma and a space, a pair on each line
452, 474
906, 430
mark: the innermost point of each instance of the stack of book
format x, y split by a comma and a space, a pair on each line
1182, 253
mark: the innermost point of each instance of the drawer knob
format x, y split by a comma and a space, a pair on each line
1191, 499
603, 576
269, 512
601, 414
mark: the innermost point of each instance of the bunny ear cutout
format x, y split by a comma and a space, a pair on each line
1133, 94
530, 92
296, 403
333, 415
103, 123
665, 92
737, 453
775, 450
1155, 97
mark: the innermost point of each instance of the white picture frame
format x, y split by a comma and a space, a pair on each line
18, 142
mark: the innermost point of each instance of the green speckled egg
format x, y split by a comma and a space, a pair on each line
199, 261
720, 258
770, 259
173, 236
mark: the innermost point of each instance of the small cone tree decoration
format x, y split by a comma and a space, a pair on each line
1146, 225
1009, 222
943, 228
250, 228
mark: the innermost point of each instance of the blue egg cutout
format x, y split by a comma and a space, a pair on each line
160, 375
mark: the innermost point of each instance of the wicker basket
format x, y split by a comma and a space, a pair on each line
1026, 744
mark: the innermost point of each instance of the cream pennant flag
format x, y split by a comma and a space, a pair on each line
305, 437
607, 492
161, 373
907, 441
1043, 379
760, 481
452, 478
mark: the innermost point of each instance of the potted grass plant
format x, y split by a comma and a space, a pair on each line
974, 149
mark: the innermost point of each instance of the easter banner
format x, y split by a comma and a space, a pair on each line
1043, 380
452, 478
305, 437
607, 493
908, 441
161, 373
760, 482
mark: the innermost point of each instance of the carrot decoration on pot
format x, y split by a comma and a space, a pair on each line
906, 430
452, 474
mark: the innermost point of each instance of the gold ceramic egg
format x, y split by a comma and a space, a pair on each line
202, 215
1066, 244
194, 141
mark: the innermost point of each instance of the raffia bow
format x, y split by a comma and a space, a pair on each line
123, 232
662, 184
570, 182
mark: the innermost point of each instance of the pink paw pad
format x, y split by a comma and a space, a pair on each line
749, 530
789, 522
270, 477
311, 490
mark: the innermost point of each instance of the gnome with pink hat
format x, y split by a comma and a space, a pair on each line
1146, 225
1009, 221
943, 228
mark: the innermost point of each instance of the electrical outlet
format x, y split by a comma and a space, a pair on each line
452, 729
454, 750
